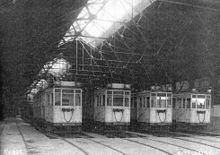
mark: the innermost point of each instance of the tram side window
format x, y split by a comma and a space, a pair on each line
184, 103
159, 102
174, 102
188, 101
127, 98
208, 101
100, 100
109, 100
194, 102
140, 101
126, 102
57, 97
47, 99
103, 100
179, 103
148, 102
97, 101
169, 103
143, 101
51, 98
153, 100
78, 99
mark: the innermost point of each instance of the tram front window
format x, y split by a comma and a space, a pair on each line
67, 97
161, 100
194, 101
198, 101
118, 98
201, 102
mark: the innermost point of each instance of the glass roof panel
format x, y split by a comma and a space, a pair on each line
101, 18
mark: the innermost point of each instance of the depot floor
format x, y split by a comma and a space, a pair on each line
20, 138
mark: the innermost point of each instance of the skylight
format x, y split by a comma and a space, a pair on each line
99, 19
57, 68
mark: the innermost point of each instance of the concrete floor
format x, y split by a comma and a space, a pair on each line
19, 138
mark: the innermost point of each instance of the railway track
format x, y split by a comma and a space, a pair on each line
199, 138
182, 139
175, 134
108, 146
89, 139
176, 145
130, 136
163, 142
205, 134
123, 136
151, 146
22, 135
197, 142
171, 135
53, 136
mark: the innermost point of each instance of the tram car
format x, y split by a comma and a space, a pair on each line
58, 108
191, 109
154, 109
112, 106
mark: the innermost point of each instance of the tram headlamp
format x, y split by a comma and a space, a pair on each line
127, 86
153, 88
194, 90
169, 88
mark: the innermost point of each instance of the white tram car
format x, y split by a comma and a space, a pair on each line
191, 108
59, 106
112, 105
154, 109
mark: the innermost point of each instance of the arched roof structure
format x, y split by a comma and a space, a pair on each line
167, 41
